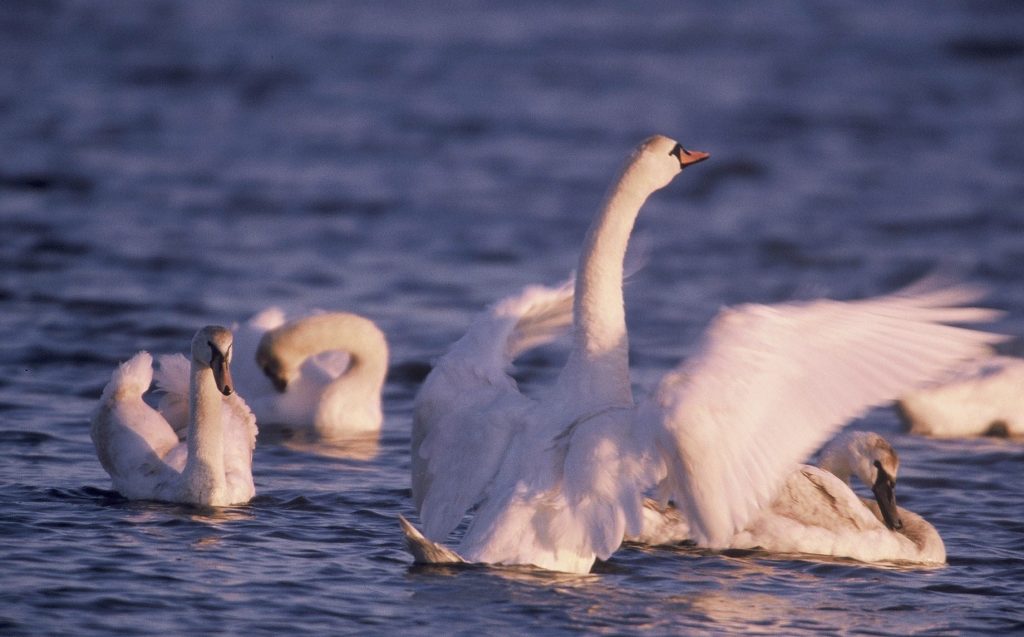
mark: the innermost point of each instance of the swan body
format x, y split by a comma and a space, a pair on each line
985, 396
140, 449
817, 512
557, 480
320, 374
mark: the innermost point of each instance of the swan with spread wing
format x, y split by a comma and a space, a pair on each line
556, 480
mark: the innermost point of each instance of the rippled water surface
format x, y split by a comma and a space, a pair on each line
170, 164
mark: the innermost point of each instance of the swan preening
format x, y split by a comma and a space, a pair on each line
140, 448
816, 512
320, 374
984, 397
559, 479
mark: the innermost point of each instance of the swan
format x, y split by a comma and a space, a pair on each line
557, 480
984, 397
816, 512
140, 449
320, 374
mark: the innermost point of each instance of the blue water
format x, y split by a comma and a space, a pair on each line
164, 165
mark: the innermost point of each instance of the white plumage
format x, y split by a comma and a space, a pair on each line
140, 448
557, 481
985, 396
320, 374
815, 512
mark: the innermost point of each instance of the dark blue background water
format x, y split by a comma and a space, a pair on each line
165, 165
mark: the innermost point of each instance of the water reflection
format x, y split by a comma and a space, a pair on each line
359, 448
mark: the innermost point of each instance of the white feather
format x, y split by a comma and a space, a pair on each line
771, 383
557, 481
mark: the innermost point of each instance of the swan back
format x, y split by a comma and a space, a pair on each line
983, 397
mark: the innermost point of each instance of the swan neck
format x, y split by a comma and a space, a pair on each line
599, 316
837, 461
204, 469
361, 338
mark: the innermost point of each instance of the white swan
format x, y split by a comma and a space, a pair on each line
816, 512
139, 448
985, 397
321, 374
557, 481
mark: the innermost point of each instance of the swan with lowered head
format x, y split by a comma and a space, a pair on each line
984, 397
556, 481
320, 374
139, 448
817, 513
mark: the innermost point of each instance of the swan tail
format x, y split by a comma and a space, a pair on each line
131, 378
423, 550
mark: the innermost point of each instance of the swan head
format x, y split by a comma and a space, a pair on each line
662, 158
211, 347
874, 461
275, 358
274, 367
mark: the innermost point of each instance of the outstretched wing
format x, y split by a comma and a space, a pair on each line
469, 407
771, 383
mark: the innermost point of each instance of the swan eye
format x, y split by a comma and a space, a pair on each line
678, 152
215, 352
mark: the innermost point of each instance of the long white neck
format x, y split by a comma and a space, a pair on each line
204, 470
360, 337
599, 361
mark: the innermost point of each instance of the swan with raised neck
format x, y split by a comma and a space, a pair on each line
599, 361
140, 449
210, 377
350, 403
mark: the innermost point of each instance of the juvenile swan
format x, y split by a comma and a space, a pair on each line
320, 374
557, 481
817, 512
985, 397
140, 450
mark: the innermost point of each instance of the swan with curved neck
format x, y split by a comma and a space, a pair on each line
322, 373
598, 364
557, 481
817, 513
140, 450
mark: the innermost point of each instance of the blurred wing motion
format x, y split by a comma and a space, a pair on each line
770, 384
469, 407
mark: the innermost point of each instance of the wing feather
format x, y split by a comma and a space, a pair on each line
771, 383
469, 408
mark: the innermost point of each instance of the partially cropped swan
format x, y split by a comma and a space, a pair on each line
139, 448
320, 374
557, 480
985, 397
816, 512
